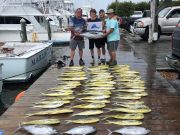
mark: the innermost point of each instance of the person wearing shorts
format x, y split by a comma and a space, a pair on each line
103, 41
113, 36
77, 25
92, 42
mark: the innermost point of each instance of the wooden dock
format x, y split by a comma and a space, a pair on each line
162, 99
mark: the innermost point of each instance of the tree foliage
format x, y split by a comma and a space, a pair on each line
126, 8
176, 3
142, 6
123, 8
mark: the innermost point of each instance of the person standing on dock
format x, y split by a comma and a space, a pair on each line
77, 25
113, 36
92, 42
103, 41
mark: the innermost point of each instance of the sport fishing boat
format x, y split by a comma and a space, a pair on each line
86, 11
10, 28
22, 61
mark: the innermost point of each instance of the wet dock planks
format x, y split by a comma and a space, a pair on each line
163, 99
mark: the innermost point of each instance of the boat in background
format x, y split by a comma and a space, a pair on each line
10, 16
22, 61
86, 11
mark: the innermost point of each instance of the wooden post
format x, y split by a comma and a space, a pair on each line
150, 40
156, 26
23, 32
48, 28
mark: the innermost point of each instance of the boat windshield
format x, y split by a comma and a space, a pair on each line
163, 12
137, 12
12, 20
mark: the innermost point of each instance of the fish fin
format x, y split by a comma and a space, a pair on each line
109, 132
115, 103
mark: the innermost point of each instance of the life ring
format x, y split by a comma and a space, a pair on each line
21, 94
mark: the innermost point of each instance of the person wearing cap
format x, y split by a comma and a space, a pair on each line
92, 42
103, 41
77, 25
113, 36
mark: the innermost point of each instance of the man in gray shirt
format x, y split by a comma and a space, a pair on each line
77, 26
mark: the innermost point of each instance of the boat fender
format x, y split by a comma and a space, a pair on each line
21, 94
30, 75
34, 37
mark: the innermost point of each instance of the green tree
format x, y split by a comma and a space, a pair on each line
142, 6
127, 8
176, 3
124, 8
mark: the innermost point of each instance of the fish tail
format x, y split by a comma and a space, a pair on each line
28, 115
109, 109
68, 121
109, 132
80, 99
104, 118
16, 130
115, 103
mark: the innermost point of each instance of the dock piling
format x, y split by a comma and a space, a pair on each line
23, 32
48, 28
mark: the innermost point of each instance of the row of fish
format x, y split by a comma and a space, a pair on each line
127, 104
95, 95
54, 101
101, 83
82, 130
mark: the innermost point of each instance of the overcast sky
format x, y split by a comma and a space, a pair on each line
99, 4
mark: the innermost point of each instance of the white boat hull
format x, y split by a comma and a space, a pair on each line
24, 67
14, 36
